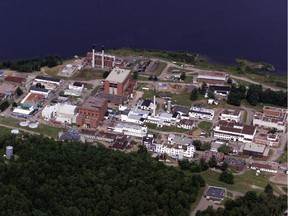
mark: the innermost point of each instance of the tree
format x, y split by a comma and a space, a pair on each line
135, 75
212, 161
211, 93
229, 81
14, 104
150, 77
224, 166
183, 76
184, 164
19, 91
197, 144
194, 95
224, 149
105, 74
268, 189
234, 99
203, 88
254, 94
205, 146
155, 78
227, 177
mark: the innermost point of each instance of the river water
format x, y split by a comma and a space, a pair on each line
222, 30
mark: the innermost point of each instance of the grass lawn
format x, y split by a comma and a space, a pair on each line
4, 130
182, 99
88, 86
283, 157
95, 90
161, 67
205, 125
89, 74
242, 183
198, 198
43, 129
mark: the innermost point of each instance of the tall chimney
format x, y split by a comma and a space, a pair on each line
154, 102
93, 56
168, 106
102, 57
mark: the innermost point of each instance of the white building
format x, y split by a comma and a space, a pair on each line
234, 131
230, 115
74, 89
130, 129
201, 113
186, 124
64, 113
41, 91
263, 168
135, 115
175, 150
162, 119
45, 79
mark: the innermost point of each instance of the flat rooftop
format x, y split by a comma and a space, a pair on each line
93, 103
216, 192
213, 74
32, 98
7, 88
254, 147
118, 75
231, 112
236, 127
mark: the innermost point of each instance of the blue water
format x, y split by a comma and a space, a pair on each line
222, 29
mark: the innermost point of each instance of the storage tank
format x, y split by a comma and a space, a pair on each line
9, 152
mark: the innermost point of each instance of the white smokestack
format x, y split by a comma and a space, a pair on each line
102, 57
154, 102
93, 56
168, 106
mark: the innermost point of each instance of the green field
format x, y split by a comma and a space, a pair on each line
161, 67
242, 183
42, 129
205, 125
89, 74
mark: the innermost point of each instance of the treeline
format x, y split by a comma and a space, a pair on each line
47, 177
33, 64
264, 204
255, 95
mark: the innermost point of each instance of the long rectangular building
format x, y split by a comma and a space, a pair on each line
272, 117
213, 77
234, 131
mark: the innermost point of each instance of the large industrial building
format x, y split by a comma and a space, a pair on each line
63, 113
91, 112
118, 82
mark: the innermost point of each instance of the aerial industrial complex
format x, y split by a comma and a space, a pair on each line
123, 113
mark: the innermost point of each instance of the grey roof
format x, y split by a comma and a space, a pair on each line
182, 109
216, 192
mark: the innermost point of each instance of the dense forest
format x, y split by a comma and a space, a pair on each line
33, 64
255, 95
252, 204
47, 177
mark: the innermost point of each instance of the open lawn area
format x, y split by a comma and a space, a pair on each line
205, 125
89, 74
161, 67
242, 183
42, 129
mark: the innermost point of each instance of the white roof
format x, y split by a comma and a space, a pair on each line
254, 147
22, 111
118, 75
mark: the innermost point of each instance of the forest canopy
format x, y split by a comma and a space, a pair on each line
47, 177
33, 64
